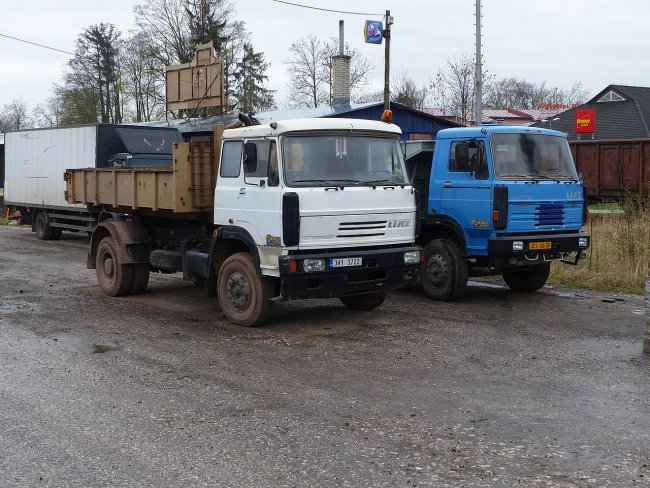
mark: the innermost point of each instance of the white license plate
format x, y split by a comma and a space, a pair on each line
345, 262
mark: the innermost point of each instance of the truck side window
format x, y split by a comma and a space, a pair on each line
477, 164
231, 156
261, 160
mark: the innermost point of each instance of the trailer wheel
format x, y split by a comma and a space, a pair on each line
443, 274
245, 297
115, 279
528, 280
367, 301
43, 230
140, 278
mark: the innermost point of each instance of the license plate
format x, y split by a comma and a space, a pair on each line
345, 262
539, 245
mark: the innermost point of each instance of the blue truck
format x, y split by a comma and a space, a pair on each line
496, 200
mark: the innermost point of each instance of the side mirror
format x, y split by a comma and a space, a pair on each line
461, 155
250, 157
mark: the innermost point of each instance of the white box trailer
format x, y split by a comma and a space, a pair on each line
37, 159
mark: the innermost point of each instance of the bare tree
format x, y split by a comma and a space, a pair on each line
407, 92
141, 74
14, 116
359, 67
48, 114
516, 93
453, 87
166, 23
308, 85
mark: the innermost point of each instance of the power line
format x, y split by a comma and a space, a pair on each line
324, 9
36, 44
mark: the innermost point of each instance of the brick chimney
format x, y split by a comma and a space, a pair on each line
341, 76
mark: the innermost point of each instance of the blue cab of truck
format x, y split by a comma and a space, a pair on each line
496, 200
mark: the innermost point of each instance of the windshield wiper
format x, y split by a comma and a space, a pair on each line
549, 177
516, 176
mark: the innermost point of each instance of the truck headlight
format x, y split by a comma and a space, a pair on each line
311, 265
518, 245
583, 241
412, 257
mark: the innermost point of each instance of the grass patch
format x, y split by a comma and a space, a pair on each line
619, 257
4, 220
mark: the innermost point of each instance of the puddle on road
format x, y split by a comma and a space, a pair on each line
102, 348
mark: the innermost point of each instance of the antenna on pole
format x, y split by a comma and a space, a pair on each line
478, 70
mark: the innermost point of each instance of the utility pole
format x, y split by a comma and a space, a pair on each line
389, 22
478, 70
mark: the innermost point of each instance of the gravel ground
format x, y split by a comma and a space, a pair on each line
159, 390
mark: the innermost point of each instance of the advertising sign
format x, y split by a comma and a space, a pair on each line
373, 31
585, 121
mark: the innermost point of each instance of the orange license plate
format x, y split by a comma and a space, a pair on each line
536, 246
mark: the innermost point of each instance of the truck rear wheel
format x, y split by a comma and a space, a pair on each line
443, 274
115, 279
528, 280
367, 301
245, 297
140, 278
43, 230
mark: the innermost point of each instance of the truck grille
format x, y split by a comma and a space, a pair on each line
549, 214
361, 229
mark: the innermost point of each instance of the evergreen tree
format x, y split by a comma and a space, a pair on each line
250, 76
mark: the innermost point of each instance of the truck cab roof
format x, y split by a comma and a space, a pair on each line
303, 125
486, 130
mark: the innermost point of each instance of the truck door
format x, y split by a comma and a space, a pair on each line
248, 192
465, 192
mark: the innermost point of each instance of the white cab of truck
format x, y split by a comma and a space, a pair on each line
327, 203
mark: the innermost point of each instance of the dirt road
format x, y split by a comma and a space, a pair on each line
499, 389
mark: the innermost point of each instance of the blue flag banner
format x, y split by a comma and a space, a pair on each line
373, 31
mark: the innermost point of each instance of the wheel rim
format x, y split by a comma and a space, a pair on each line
437, 270
238, 291
108, 266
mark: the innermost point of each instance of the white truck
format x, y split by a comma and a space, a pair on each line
36, 159
296, 209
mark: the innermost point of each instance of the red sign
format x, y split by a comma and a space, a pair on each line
585, 121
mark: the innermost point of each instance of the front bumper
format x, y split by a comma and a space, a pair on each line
382, 269
501, 253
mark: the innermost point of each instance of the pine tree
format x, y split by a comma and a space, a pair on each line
250, 75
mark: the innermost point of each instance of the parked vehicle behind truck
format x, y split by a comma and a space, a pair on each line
496, 200
35, 160
299, 209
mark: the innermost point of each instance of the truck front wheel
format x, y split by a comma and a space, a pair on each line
530, 279
367, 301
443, 274
115, 279
245, 297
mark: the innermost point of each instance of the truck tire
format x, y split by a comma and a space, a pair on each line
140, 278
43, 230
443, 274
528, 280
115, 279
245, 297
367, 301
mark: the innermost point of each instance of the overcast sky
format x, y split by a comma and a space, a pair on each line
596, 42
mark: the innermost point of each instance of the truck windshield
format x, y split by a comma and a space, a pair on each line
342, 160
532, 156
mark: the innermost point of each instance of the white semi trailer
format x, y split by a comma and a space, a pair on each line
36, 159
